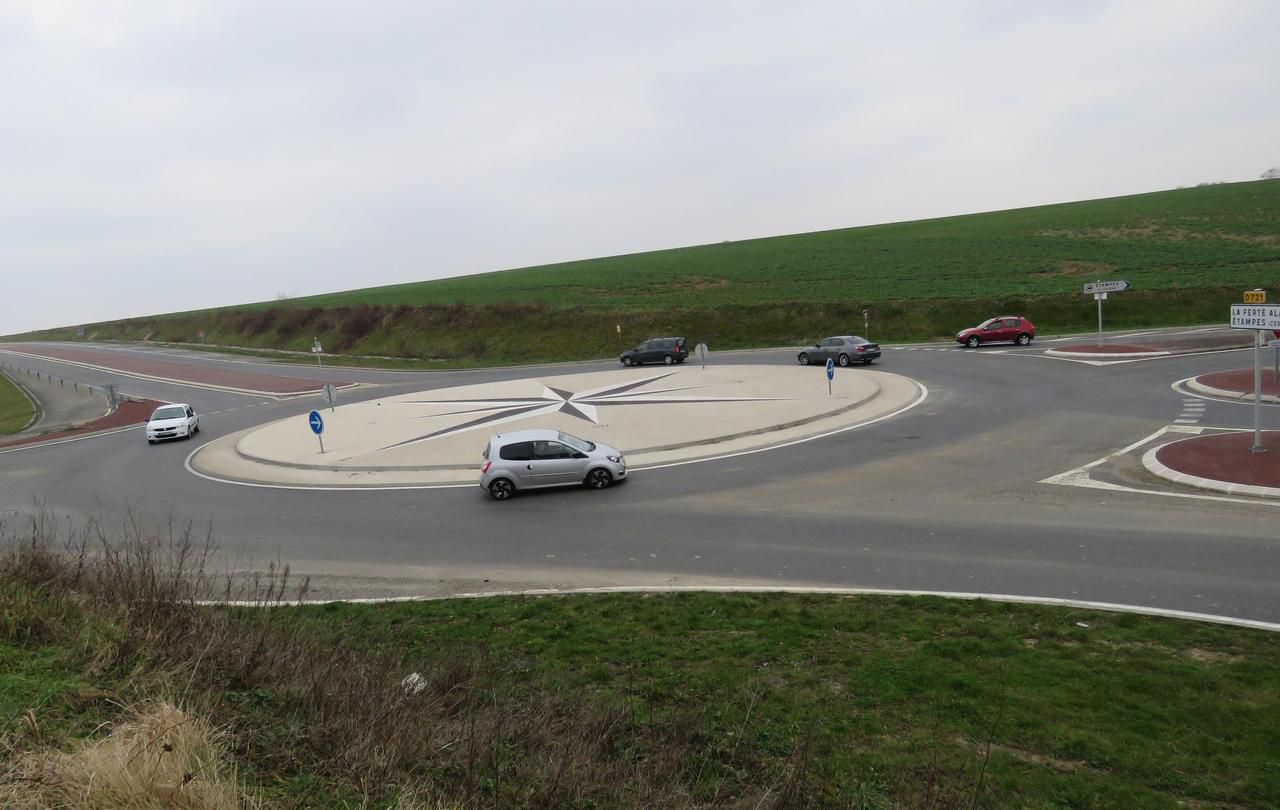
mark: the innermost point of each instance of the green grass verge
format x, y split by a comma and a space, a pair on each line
1188, 254
813, 701
15, 409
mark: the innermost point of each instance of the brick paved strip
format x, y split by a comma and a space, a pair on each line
1106, 348
1226, 457
130, 412
1241, 380
177, 370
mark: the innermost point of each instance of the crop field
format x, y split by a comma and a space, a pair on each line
1188, 253
1209, 236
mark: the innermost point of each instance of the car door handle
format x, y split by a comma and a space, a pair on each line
528, 466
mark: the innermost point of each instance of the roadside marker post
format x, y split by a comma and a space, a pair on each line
701, 351
1100, 290
831, 374
317, 427
331, 394
315, 349
1260, 318
866, 324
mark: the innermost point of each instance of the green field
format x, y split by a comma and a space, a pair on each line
1188, 253
15, 409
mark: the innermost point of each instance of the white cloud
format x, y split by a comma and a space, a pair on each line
240, 149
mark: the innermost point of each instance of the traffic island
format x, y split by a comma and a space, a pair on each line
656, 415
1237, 384
1221, 462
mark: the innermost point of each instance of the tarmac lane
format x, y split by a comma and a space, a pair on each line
170, 369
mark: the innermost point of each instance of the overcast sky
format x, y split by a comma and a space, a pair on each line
166, 155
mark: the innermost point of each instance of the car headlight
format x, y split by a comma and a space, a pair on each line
615, 459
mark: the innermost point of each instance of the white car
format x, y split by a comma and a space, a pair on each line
171, 422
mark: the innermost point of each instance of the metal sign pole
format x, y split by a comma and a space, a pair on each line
1257, 394
1099, 296
321, 438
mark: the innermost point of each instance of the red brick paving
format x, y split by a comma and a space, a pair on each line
1241, 380
1107, 348
129, 412
172, 369
1226, 457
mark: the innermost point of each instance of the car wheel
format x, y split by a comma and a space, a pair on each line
501, 489
197, 430
668, 359
843, 359
804, 359
973, 342
626, 361
1024, 339
599, 478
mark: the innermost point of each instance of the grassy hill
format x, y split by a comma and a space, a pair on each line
1187, 252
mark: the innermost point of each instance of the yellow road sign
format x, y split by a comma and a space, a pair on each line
1255, 296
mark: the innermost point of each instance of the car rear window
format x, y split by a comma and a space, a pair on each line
519, 451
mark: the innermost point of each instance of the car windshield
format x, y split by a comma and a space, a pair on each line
577, 444
173, 412
988, 322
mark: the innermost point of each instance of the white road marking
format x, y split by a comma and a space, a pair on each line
1081, 604
1079, 477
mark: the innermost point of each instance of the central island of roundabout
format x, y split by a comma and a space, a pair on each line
656, 415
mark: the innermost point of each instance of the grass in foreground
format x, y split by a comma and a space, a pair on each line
15, 408
693, 700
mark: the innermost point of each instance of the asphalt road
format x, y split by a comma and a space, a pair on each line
945, 497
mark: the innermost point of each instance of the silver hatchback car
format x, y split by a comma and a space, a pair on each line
532, 459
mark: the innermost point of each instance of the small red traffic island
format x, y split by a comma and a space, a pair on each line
1222, 462
1238, 383
127, 414
1108, 348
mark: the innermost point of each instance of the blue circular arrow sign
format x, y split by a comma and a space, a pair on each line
831, 370
317, 423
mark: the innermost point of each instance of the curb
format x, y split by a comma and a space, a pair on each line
1156, 468
1195, 385
1109, 607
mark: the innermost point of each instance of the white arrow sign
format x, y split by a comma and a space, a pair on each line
1106, 286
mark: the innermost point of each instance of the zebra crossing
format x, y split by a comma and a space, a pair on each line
1192, 412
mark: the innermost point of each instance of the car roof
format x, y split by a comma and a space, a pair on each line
534, 434
174, 405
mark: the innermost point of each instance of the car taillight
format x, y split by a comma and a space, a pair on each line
862, 348
485, 468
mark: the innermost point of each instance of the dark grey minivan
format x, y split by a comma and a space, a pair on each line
657, 350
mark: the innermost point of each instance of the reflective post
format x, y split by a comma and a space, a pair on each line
1257, 395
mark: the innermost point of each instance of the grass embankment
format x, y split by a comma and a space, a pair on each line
636, 701
1188, 254
16, 411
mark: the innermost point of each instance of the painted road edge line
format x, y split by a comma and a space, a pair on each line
1082, 604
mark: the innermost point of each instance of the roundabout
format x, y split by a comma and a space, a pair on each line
1006, 472
657, 418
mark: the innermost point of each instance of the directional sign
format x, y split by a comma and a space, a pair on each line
1106, 286
701, 351
1255, 316
316, 422
831, 370
330, 394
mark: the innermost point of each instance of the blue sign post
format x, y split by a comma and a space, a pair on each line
831, 374
317, 427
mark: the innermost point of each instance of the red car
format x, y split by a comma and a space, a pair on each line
1005, 329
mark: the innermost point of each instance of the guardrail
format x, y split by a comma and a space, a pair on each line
110, 393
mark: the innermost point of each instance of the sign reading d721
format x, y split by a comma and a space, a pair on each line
1255, 316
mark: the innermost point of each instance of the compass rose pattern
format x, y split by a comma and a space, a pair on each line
583, 405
